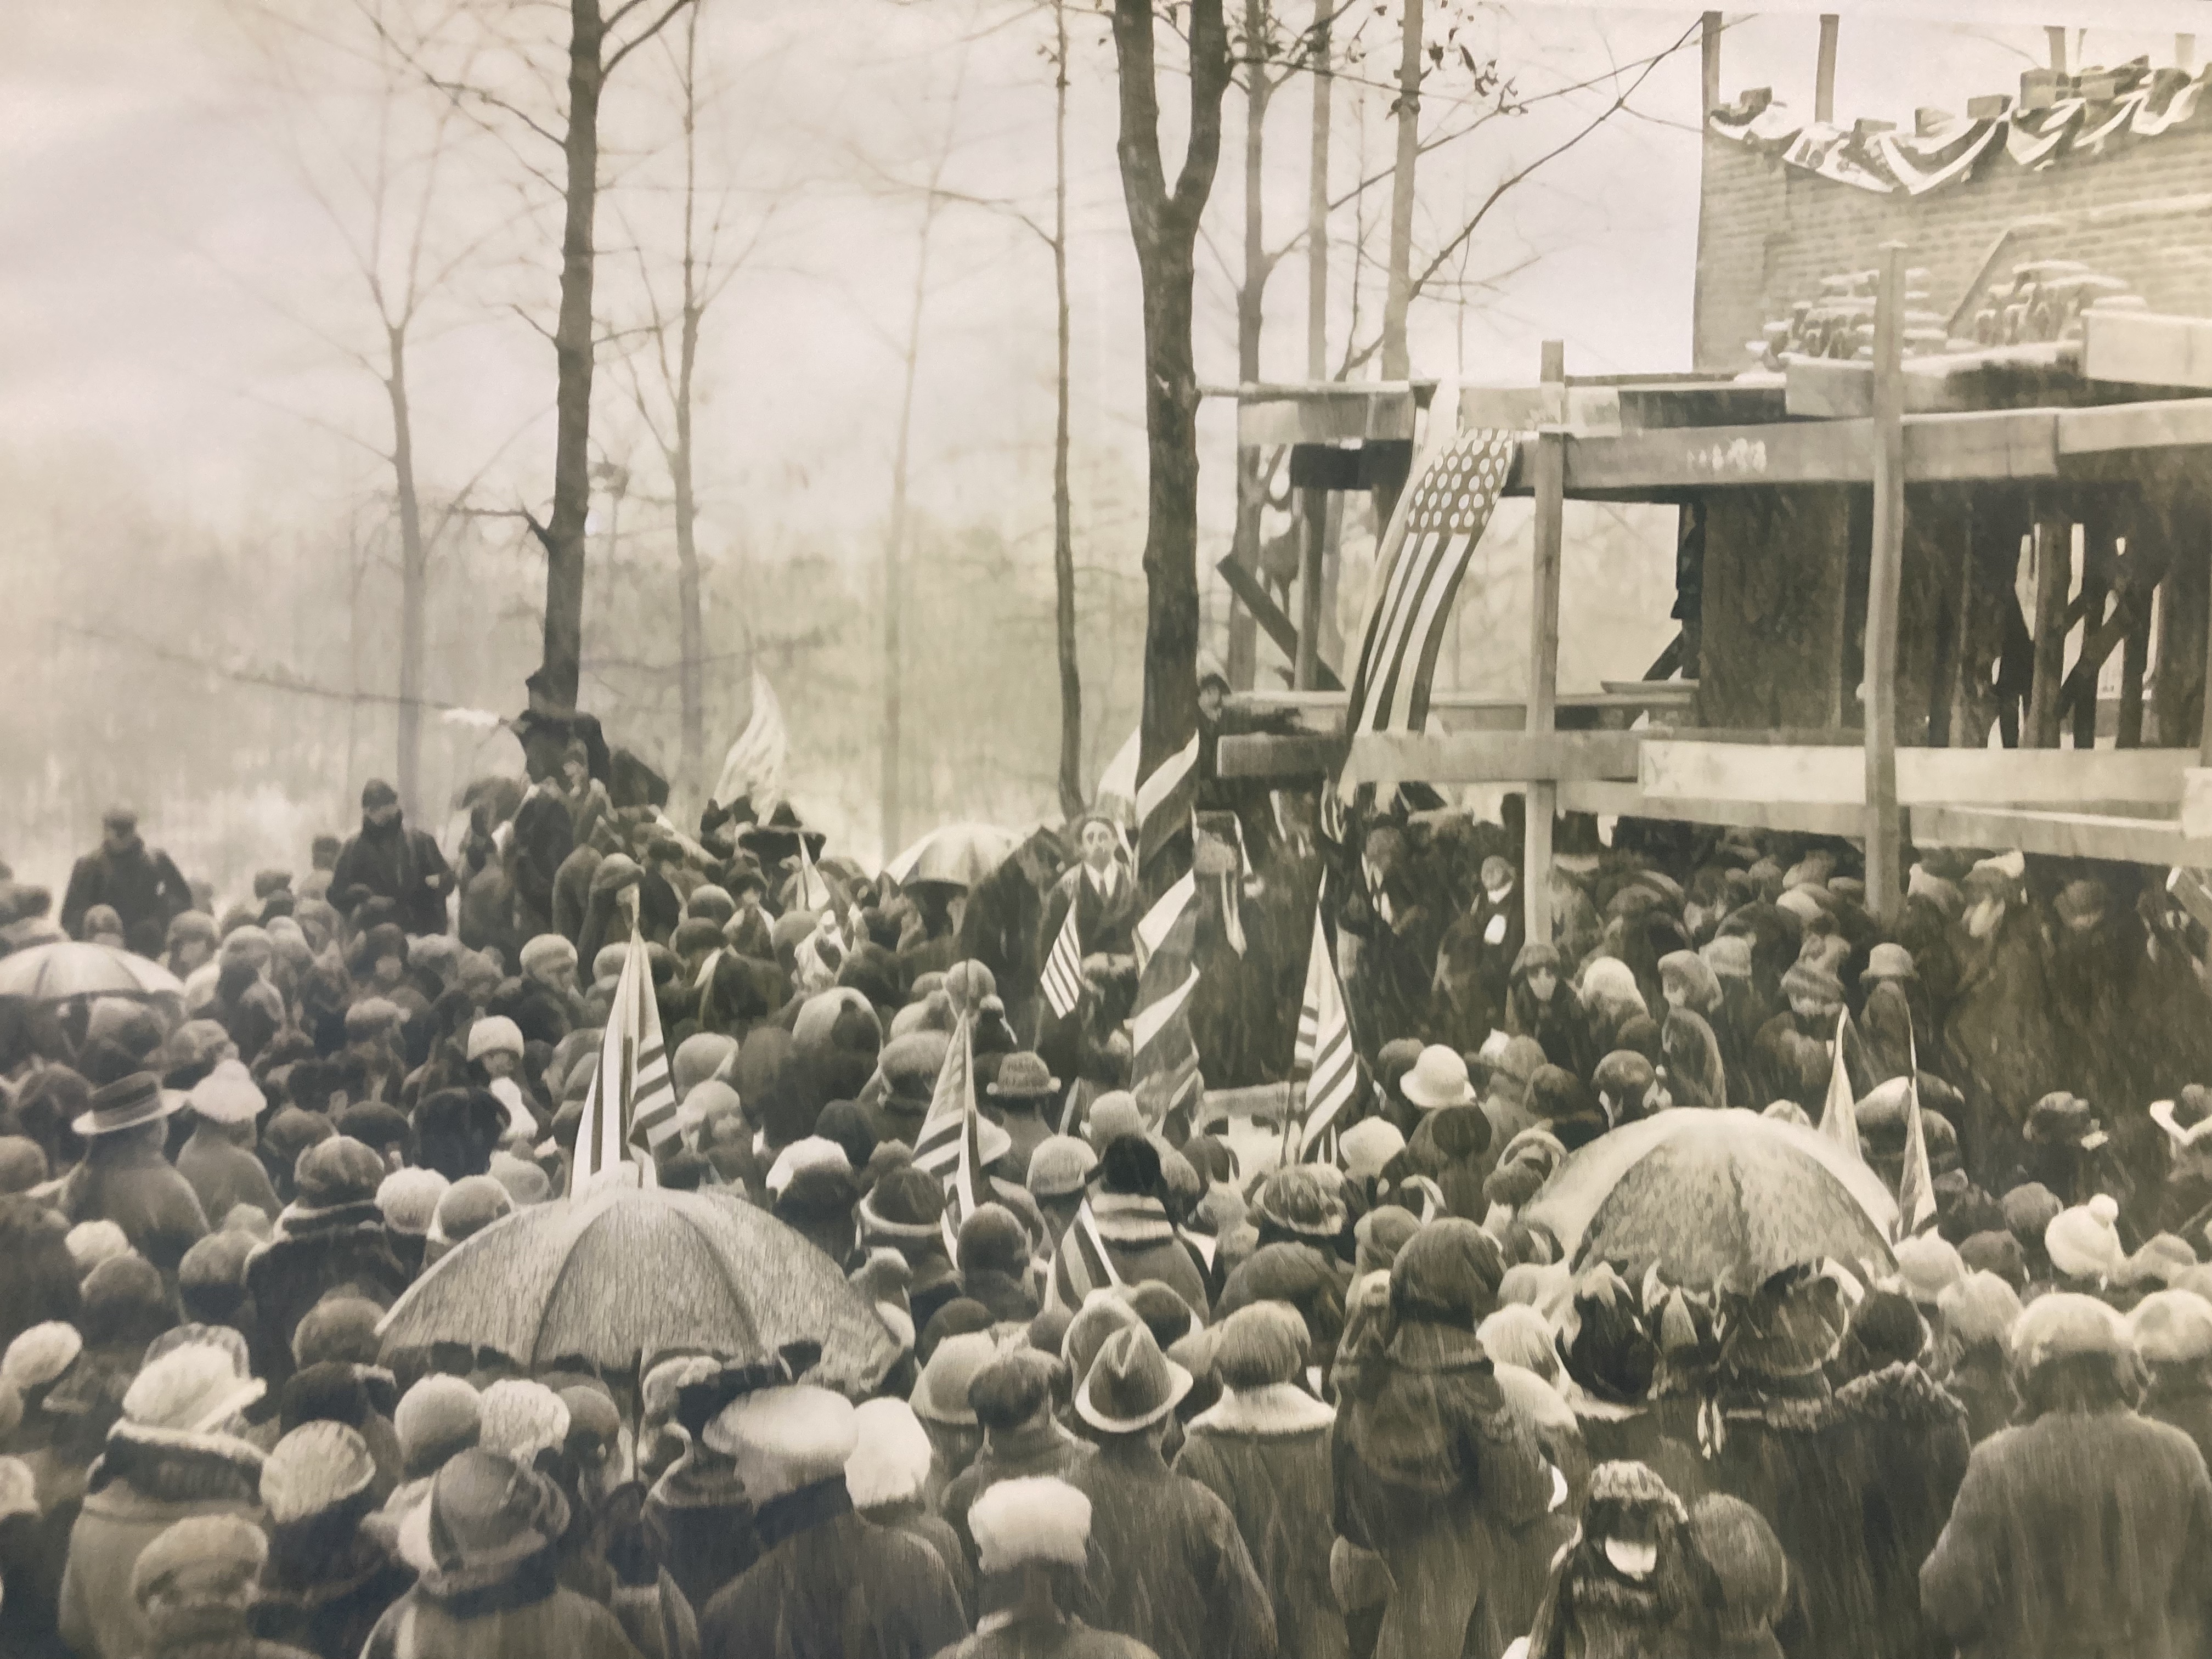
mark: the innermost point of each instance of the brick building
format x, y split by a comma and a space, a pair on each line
2122, 184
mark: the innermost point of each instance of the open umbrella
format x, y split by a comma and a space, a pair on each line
620, 1274
55, 972
1715, 1195
959, 854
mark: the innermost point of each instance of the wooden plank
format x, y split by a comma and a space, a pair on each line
1305, 666
1789, 817
1266, 755
1681, 769
1256, 598
1661, 697
1394, 757
2158, 841
2196, 803
1591, 410
1828, 452
1541, 804
1884, 876
2146, 348
1303, 417
2054, 582
1992, 444
2175, 422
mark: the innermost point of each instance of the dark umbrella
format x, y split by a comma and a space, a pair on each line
55, 972
620, 1275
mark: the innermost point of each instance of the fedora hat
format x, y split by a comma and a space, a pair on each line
127, 1102
1438, 1078
1131, 1385
1024, 1075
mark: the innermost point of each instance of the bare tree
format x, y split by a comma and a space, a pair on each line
1163, 224
1071, 792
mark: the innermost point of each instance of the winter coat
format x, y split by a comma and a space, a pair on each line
1173, 1572
1903, 1441
914, 1520
1035, 1448
543, 835
326, 1583
223, 1174
1474, 968
2182, 1399
510, 1611
830, 1585
1697, 1076
315, 1252
1005, 1299
394, 862
1457, 1147
40, 1282
1560, 1026
700, 1525
214, 1633
999, 1637
145, 1482
2077, 1536
1105, 923
1435, 1475
1143, 1244
126, 1180
999, 928
1236, 1008
1265, 1453
143, 887
572, 893
1981, 1381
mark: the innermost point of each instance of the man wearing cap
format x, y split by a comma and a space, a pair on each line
126, 1179
1024, 1093
387, 859
143, 886
1174, 1570
827, 1580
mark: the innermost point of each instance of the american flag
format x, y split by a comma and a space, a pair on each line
1164, 1056
949, 1146
1081, 1264
1916, 1185
1839, 1115
1063, 968
631, 1104
1324, 1056
754, 766
1167, 788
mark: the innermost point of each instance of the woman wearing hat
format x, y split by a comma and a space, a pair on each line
2084, 1529
124, 1178
1175, 1572
1540, 1003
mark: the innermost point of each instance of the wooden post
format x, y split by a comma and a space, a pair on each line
2185, 52
1824, 74
1710, 45
2056, 37
1885, 882
1398, 298
1306, 667
2054, 582
1541, 801
2099, 549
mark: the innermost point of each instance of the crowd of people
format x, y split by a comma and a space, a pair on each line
1163, 1395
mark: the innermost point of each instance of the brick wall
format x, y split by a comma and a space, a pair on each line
1767, 233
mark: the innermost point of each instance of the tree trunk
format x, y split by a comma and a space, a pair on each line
1072, 793
1251, 316
1324, 87
1164, 226
563, 534
894, 547
1397, 360
414, 578
690, 624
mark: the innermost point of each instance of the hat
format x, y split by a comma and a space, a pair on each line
1811, 982
941, 1394
495, 1034
410, 1198
204, 1558
126, 1103
905, 1203
1448, 1270
808, 1153
1060, 1166
2028, 1209
1113, 1114
700, 1056
1264, 1343
39, 1355
1103, 1312
1889, 962
1013, 1388
470, 1205
193, 1390
2162, 1258
1438, 1078
1928, 1267
1295, 1200
337, 1171
315, 1468
1024, 1076
91, 1242
785, 1438
2059, 1119
891, 1456
547, 952
1995, 1252
2187, 1119
2172, 1328
488, 1510
2063, 1326
1162, 1312
227, 1094
437, 1418
1750, 1574
993, 1238
1516, 1334
1381, 1234
1032, 1518
1131, 1384
22, 1164
1688, 972
520, 1419
2082, 1242
1978, 1309
1367, 1146
339, 1327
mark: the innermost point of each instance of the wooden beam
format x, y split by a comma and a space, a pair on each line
2145, 349
1657, 696
1249, 588
1308, 415
1394, 757
1305, 666
2054, 580
1268, 755
1684, 769
1884, 876
1541, 804
2158, 841
1592, 411
1786, 817
2165, 423
1824, 71
1709, 64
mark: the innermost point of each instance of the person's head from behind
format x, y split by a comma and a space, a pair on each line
197, 1581
2071, 1353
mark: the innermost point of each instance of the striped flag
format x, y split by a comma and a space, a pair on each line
631, 1106
754, 766
1916, 1185
1164, 1056
1167, 789
1063, 968
1081, 1264
1839, 1116
1424, 553
1324, 1057
813, 891
1153, 926
949, 1146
